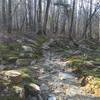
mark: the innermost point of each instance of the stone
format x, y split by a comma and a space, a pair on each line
2, 86
89, 64
27, 48
46, 76
13, 75
2, 67
12, 59
97, 92
63, 76
25, 55
33, 62
44, 87
96, 63
20, 91
45, 46
23, 62
52, 97
33, 98
32, 90
77, 52
35, 87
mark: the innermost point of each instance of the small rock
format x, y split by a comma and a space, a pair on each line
23, 62
45, 47
44, 76
12, 59
2, 67
13, 75
51, 97
77, 52
20, 91
44, 87
34, 87
64, 76
31, 90
27, 48
33, 62
32, 98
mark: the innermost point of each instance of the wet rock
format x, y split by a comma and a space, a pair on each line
23, 62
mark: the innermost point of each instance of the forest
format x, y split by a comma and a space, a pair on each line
49, 49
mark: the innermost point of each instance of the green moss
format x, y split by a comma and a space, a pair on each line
26, 74
79, 63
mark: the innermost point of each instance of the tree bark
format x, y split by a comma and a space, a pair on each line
3, 15
9, 16
39, 17
46, 16
72, 20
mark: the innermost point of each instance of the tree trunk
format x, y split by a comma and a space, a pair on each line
3, 15
72, 20
46, 16
90, 32
39, 17
34, 20
9, 16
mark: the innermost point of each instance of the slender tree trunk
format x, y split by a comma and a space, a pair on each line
3, 15
35, 13
90, 32
46, 16
30, 14
9, 16
39, 17
57, 20
72, 20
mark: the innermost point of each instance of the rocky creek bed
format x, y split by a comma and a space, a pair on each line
58, 82
48, 78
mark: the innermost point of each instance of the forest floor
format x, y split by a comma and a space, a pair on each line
57, 80
58, 73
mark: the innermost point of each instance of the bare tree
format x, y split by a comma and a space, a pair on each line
39, 17
72, 20
9, 16
46, 16
3, 14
